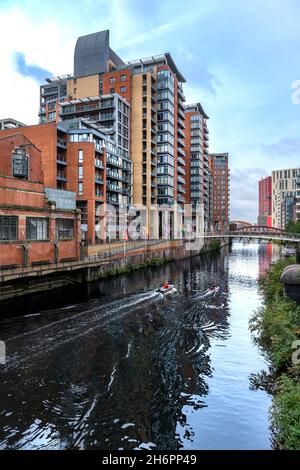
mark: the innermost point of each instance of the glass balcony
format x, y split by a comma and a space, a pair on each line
61, 143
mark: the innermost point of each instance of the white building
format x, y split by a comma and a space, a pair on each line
284, 183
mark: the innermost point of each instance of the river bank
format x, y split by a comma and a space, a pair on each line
45, 278
277, 328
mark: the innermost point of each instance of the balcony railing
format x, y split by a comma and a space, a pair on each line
61, 143
107, 117
180, 161
181, 123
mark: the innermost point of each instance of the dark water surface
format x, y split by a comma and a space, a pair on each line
114, 365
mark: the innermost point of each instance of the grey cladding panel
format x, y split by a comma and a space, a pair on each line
91, 54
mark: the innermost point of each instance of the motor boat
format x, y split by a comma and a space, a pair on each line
288, 251
203, 295
171, 289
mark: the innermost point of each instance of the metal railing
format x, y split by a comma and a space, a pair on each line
100, 257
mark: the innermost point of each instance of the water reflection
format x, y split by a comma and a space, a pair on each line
115, 365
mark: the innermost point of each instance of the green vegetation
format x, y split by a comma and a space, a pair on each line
214, 246
277, 325
293, 227
156, 261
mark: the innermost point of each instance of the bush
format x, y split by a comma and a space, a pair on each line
277, 325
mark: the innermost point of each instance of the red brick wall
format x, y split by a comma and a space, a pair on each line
107, 85
44, 137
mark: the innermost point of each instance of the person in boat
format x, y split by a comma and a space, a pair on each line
166, 285
212, 287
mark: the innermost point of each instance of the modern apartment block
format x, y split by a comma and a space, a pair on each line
10, 124
198, 176
265, 202
38, 225
220, 191
114, 133
285, 184
153, 132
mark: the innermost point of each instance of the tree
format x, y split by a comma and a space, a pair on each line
293, 227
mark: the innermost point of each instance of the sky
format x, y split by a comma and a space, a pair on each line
241, 60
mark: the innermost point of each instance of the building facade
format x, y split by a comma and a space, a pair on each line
38, 226
198, 182
10, 124
119, 135
153, 132
265, 202
220, 175
284, 185
78, 159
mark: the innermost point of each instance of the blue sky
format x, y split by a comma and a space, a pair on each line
239, 59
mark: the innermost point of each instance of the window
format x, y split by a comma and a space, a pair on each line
112, 80
80, 156
123, 89
8, 227
80, 188
112, 90
64, 228
123, 78
20, 163
37, 228
80, 172
52, 116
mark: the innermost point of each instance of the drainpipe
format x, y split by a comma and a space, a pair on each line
55, 252
25, 256
81, 245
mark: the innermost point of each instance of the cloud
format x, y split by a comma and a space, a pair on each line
244, 193
285, 147
34, 71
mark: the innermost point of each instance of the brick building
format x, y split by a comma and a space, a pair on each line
265, 202
37, 225
220, 172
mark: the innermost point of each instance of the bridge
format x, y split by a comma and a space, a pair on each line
257, 232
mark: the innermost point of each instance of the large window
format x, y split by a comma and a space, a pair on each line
37, 228
64, 228
8, 227
20, 163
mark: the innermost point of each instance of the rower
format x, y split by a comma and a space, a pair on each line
166, 285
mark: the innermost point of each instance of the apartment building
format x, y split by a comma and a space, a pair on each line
220, 175
38, 225
153, 89
198, 178
265, 202
9, 123
285, 184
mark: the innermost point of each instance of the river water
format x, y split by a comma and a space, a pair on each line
113, 365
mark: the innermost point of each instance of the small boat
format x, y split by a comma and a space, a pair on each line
288, 251
171, 289
202, 295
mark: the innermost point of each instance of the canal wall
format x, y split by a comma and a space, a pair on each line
25, 282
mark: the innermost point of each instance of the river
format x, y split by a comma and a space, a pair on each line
113, 365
